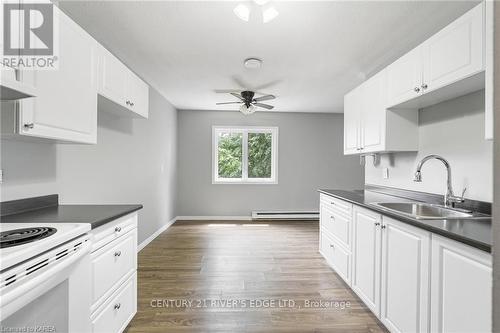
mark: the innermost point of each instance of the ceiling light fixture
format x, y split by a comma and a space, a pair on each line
253, 63
242, 12
247, 110
269, 14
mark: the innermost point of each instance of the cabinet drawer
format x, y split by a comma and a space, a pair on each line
113, 230
337, 256
119, 310
337, 224
337, 205
111, 264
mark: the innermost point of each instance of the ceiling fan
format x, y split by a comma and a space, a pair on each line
249, 103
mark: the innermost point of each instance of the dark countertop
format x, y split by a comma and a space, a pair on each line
474, 232
95, 215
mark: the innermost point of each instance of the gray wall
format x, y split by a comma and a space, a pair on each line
310, 157
133, 162
454, 130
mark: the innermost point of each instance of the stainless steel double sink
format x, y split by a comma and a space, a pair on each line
426, 211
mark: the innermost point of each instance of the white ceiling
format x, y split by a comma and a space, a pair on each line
313, 52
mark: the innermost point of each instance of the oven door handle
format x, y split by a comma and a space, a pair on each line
28, 290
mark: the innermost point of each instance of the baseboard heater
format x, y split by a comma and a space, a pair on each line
285, 215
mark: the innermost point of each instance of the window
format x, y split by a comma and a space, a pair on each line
245, 155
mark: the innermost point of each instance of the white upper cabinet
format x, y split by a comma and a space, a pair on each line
489, 18
65, 108
13, 85
352, 121
112, 77
404, 77
449, 64
455, 52
124, 93
370, 128
373, 113
461, 288
138, 91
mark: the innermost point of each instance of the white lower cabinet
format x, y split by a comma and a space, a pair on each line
461, 288
336, 235
413, 280
404, 277
366, 257
114, 275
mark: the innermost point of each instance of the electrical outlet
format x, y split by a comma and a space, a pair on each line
385, 173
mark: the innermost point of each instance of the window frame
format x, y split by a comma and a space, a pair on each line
244, 130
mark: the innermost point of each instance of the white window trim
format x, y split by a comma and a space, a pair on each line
244, 130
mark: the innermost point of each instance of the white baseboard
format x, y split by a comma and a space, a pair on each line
213, 218
155, 234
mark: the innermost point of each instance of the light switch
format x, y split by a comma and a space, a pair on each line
385, 173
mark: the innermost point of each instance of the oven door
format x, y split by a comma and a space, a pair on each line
50, 293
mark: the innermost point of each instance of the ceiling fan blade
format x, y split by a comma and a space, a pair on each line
237, 95
227, 91
267, 85
264, 98
264, 106
227, 103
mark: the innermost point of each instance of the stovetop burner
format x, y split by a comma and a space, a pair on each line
24, 235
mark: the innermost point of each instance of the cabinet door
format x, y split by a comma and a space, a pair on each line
404, 77
405, 271
338, 257
489, 87
352, 108
455, 52
137, 95
113, 77
66, 104
366, 257
373, 113
461, 287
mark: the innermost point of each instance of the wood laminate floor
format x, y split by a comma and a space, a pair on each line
243, 277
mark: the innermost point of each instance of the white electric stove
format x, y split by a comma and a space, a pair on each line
23, 241
45, 276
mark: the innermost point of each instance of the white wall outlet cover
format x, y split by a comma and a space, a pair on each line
385, 173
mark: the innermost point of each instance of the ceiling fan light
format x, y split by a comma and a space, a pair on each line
269, 14
242, 12
247, 110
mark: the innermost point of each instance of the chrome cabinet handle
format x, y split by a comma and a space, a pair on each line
127, 102
424, 86
383, 227
117, 306
118, 229
416, 89
29, 126
331, 245
118, 253
377, 224
132, 104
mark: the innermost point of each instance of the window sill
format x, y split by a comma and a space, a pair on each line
245, 182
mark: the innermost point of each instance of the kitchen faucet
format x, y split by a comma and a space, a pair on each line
449, 198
